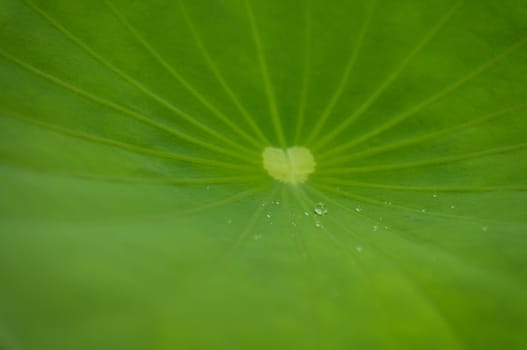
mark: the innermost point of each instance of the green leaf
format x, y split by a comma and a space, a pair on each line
136, 211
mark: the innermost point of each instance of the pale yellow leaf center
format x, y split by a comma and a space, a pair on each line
292, 165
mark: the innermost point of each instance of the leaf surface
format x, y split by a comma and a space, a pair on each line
136, 213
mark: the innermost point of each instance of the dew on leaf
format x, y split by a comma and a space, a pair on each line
320, 209
359, 248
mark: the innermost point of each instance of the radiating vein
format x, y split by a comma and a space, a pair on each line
229, 200
358, 263
133, 82
307, 205
167, 180
131, 148
268, 85
219, 76
127, 111
390, 123
398, 266
405, 240
419, 139
368, 200
293, 228
317, 128
253, 219
305, 78
184, 82
424, 163
307, 259
389, 79
459, 189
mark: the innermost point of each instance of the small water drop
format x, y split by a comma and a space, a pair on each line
452, 206
276, 202
375, 227
207, 187
484, 228
318, 224
306, 213
359, 248
257, 237
229, 221
293, 223
434, 195
320, 209
387, 203
423, 210
358, 209
268, 215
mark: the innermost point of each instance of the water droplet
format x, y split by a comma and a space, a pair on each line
387, 203
359, 248
484, 228
268, 215
358, 209
423, 210
207, 187
318, 224
320, 209
257, 237
229, 221
434, 195
452, 206
293, 223
276, 202
306, 213
375, 227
